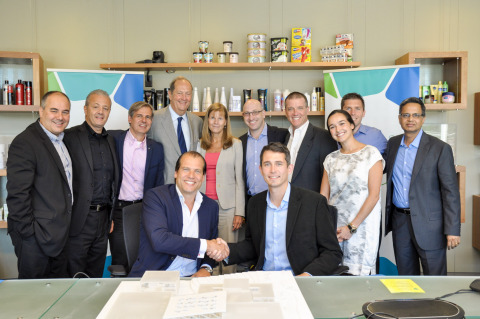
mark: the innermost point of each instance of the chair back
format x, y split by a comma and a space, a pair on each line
131, 231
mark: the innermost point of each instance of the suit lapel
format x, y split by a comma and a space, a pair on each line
149, 158
422, 152
83, 137
294, 205
303, 151
169, 130
393, 155
193, 133
120, 147
178, 209
261, 221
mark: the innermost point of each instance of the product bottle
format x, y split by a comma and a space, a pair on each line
196, 101
10, 95
322, 102
309, 101
216, 99
445, 86
439, 91
285, 93
230, 100
208, 100
314, 104
223, 98
204, 100
28, 93
277, 100
19, 92
5, 93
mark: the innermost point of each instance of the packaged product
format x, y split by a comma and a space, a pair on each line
301, 54
301, 37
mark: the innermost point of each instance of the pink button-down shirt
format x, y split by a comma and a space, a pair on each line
134, 159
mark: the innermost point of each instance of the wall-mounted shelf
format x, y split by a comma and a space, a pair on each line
442, 66
172, 67
19, 108
476, 222
3, 224
267, 113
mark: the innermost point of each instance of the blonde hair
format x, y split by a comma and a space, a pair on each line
227, 138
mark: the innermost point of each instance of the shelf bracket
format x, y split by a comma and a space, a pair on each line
148, 79
170, 71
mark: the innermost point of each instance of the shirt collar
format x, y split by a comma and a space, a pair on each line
285, 199
362, 129
300, 129
264, 131
51, 136
174, 114
93, 133
133, 141
198, 196
416, 141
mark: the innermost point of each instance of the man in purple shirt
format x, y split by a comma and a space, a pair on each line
141, 162
353, 103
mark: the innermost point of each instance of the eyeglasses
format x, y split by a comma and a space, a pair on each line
414, 115
254, 113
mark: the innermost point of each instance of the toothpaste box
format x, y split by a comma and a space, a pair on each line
301, 54
301, 37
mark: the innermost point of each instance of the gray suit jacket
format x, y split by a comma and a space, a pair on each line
434, 196
164, 132
229, 177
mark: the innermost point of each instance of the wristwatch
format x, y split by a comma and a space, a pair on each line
352, 228
210, 270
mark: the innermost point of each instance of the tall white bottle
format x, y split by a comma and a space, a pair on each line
307, 95
230, 101
314, 105
196, 101
223, 98
285, 93
277, 100
216, 99
204, 100
208, 100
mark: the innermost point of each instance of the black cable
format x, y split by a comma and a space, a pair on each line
375, 313
461, 291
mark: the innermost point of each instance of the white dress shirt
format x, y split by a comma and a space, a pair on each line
294, 143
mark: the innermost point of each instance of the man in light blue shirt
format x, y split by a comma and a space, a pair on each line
288, 228
354, 104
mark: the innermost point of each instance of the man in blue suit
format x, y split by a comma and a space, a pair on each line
141, 162
179, 224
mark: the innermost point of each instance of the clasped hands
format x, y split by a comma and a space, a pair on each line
217, 249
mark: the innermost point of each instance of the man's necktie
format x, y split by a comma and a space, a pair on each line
181, 138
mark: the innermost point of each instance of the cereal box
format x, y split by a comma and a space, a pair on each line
301, 54
345, 39
301, 37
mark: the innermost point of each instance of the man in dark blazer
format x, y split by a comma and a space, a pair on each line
95, 184
308, 144
423, 200
141, 166
259, 135
39, 186
179, 224
288, 228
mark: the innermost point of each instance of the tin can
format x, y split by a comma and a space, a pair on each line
233, 56
227, 46
197, 57
221, 57
256, 52
256, 59
208, 57
203, 46
257, 36
279, 44
256, 45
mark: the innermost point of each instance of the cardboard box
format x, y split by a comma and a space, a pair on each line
301, 54
301, 37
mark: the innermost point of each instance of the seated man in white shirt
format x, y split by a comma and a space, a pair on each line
179, 224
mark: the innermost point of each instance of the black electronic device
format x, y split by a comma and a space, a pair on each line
475, 285
412, 309
158, 57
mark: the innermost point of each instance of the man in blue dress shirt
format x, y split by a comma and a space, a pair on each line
423, 200
353, 103
288, 228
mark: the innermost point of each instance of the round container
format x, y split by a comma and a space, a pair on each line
279, 56
203, 46
256, 45
279, 44
256, 52
256, 59
448, 97
429, 99
197, 57
233, 56
257, 37
227, 46
221, 57
208, 57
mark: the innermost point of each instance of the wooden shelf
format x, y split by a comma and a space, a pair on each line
461, 178
172, 67
442, 66
268, 113
19, 108
3, 172
476, 119
476, 222
3, 224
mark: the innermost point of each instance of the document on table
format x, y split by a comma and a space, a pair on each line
396, 286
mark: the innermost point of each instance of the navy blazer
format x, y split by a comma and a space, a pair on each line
154, 165
274, 134
161, 228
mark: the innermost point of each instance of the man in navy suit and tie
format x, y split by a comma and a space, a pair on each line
423, 200
179, 224
141, 163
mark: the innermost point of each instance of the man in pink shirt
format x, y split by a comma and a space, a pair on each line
142, 165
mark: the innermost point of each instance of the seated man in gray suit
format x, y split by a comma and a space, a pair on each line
175, 128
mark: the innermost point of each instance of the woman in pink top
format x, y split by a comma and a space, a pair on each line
224, 181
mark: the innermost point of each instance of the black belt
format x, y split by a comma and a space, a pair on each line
124, 203
405, 211
99, 207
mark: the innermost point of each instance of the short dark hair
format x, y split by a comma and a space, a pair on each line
412, 100
193, 154
352, 96
276, 147
345, 113
137, 106
296, 95
43, 101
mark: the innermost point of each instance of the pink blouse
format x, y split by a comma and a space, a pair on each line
211, 182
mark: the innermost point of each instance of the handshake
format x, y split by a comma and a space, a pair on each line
217, 249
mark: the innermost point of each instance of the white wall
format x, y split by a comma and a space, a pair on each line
83, 34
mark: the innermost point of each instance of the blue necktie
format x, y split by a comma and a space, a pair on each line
181, 138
